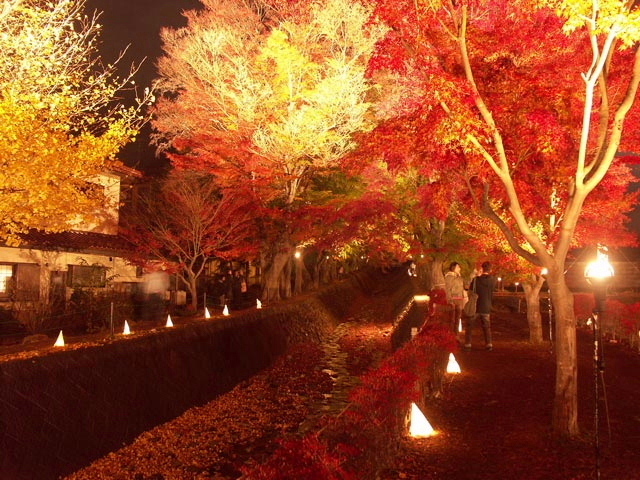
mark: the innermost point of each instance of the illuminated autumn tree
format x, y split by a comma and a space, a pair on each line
185, 221
527, 109
267, 96
60, 118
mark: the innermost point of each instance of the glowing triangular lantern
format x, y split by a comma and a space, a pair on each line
127, 330
169, 322
258, 303
60, 340
453, 366
206, 313
225, 311
459, 326
420, 426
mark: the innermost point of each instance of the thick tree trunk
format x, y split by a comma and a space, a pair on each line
285, 279
534, 317
274, 272
565, 405
435, 275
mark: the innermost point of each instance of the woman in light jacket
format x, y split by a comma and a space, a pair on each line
456, 295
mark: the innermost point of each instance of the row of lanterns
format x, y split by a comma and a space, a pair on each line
419, 426
127, 331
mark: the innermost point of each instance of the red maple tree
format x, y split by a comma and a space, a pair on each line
524, 109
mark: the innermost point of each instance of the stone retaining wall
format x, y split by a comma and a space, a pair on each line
61, 410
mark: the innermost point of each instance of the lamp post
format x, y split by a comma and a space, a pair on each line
599, 274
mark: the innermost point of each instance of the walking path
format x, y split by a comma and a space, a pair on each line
494, 418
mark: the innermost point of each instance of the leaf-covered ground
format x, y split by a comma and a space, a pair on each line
493, 419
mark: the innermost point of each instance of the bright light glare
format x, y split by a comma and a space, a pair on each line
421, 298
420, 426
601, 268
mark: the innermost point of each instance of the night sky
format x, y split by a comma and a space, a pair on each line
137, 23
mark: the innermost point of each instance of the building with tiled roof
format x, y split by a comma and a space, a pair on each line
47, 267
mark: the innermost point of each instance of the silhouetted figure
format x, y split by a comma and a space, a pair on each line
156, 286
484, 285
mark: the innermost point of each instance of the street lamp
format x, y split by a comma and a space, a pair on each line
599, 274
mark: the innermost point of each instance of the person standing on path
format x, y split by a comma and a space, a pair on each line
454, 289
484, 285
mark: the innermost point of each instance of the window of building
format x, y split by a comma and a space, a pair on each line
6, 274
87, 276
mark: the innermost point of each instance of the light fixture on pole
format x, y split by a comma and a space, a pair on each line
599, 274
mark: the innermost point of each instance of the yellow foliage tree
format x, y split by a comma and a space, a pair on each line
61, 122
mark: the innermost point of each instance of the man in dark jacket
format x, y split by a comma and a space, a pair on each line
484, 285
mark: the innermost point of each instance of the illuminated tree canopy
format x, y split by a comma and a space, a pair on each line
61, 122
267, 94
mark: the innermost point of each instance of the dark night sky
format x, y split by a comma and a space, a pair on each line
137, 24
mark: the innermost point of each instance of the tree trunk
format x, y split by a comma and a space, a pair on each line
274, 270
298, 276
436, 276
285, 279
565, 405
318, 269
193, 290
534, 317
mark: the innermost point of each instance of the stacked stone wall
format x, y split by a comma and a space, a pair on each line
62, 409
